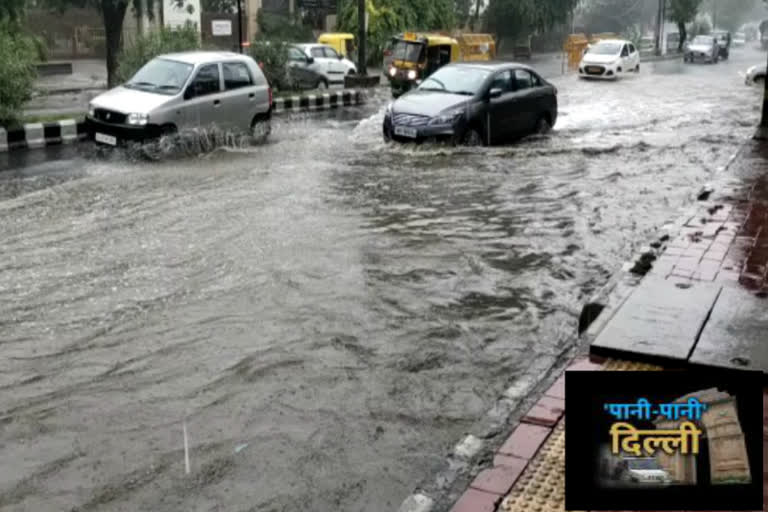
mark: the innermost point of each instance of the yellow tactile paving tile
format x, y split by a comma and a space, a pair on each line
541, 487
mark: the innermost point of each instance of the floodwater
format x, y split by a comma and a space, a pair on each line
324, 315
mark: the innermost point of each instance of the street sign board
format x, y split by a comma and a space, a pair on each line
221, 27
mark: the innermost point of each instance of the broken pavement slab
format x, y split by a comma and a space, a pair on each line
659, 322
735, 335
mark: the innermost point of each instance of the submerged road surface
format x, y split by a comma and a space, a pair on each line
325, 314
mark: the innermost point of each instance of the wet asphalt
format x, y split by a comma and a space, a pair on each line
326, 314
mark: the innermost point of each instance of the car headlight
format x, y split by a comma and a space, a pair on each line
139, 119
392, 71
447, 118
91, 110
412, 75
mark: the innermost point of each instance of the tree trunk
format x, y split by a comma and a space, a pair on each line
476, 16
683, 35
113, 13
762, 130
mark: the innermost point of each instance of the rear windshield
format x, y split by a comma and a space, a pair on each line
702, 40
407, 51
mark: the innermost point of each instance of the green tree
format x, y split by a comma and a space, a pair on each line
11, 9
113, 14
616, 16
386, 18
223, 6
17, 70
682, 12
520, 18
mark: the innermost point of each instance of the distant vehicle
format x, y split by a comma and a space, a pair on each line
474, 104
183, 90
724, 43
755, 75
389, 47
703, 48
608, 59
328, 62
645, 470
343, 43
301, 71
739, 40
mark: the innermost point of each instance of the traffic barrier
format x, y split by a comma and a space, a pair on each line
38, 135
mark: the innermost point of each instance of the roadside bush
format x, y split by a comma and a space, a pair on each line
145, 48
272, 56
18, 55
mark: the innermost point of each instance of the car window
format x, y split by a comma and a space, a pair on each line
318, 52
523, 79
236, 75
296, 54
503, 81
632, 48
624, 51
207, 80
536, 81
330, 53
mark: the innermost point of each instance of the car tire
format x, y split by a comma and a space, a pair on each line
351, 72
261, 128
759, 80
322, 84
637, 68
543, 126
472, 138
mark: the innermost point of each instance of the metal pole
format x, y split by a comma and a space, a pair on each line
658, 28
240, 25
764, 118
361, 51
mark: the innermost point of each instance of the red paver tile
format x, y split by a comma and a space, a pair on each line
727, 276
583, 365
557, 390
476, 501
498, 480
715, 253
508, 460
525, 441
547, 411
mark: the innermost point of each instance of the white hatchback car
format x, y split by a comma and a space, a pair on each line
608, 59
327, 62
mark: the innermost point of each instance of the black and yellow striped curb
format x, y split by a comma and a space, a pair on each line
325, 101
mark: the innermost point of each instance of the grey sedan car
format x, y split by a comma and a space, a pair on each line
184, 90
702, 48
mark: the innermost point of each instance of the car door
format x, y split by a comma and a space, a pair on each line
299, 69
321, 64
239, 100
530, 100
503, 116
634, 56
336, 67
626, 64
203, 98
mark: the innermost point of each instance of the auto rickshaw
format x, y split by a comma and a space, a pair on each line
416, 56
344, 44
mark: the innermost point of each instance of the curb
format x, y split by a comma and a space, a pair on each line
314, 102
67, 131
39, 135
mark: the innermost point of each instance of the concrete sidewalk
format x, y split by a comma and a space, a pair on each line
722, 246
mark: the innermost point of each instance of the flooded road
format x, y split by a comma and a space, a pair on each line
326, 314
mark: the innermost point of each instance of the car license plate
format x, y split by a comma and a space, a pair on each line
406, 131
593, 69
106, 139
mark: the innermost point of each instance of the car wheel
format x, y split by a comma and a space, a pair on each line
637, 68
759, 80
322, 84
472, 138
261, 127
351, 72
543, 125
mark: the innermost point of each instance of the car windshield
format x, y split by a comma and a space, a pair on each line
410, 52
456, 80
702, 40
163, 76
605, 49
643, 464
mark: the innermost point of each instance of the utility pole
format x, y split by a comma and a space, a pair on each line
762, 130
240, 25
714, 15
659, 21
361, 34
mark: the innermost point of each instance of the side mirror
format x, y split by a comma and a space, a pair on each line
310, 60
341, 57
494, 93
189, 93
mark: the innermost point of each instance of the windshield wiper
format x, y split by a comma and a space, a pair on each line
141, 84
432, 89
464, 93
168, 86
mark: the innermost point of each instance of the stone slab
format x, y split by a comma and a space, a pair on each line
736, 334
659, 323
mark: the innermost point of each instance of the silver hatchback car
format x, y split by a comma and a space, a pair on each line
179, 91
